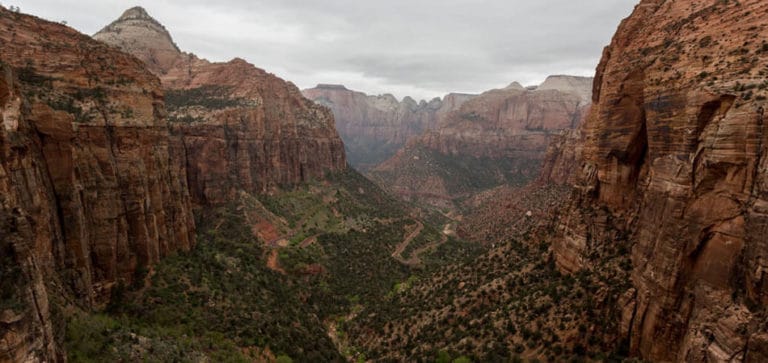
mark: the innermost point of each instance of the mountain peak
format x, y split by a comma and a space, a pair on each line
136, 12
138, 33
581, 86
515, 86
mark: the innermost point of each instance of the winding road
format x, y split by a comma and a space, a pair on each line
398, 254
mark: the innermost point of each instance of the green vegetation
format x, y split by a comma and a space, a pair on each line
461, 175
510, 301
29, 76
37, 86
224, 301
210, 97
428, 236
12, 280
219, 296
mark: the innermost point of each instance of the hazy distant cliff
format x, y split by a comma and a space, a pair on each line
496, 138
375, 127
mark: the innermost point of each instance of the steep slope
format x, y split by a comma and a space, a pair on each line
375, 127
675, 145
717, 100
270, 276
243, 128
499, 137
509, 304
93, 183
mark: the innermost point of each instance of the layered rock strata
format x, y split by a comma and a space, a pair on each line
242, 128
93, 183
675, 149
375, 127
500, 137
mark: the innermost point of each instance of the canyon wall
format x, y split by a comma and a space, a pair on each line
510, 122
674, 151
242, 128
499, 137
93, 182
96, 183
375, 127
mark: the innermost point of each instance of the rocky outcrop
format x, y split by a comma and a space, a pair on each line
243, 128
499, 137
375, 127
674, 152
92, 182
139, 34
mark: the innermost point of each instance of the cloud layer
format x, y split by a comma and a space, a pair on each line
422, 48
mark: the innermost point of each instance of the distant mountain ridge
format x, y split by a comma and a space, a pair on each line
375, 127
499, 137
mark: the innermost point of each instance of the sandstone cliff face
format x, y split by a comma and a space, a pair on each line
564, 158
675, 148
242, 128
374, 127
507, 122
28, 232
499, 137
92, 182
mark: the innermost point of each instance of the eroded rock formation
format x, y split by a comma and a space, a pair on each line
375, 127
243, 128
674, 152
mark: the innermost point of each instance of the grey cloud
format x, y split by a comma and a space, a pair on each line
422, 48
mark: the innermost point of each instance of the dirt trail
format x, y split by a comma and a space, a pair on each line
308, 241
415, 256
398, 254
273, 262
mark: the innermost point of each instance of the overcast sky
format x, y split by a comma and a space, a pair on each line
421, 48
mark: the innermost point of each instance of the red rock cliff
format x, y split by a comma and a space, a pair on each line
375, 127
675, 147
499, 137
243, 128
511, 122
92, 182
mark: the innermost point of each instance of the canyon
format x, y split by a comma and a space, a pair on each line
93, 181
99, 179
155, 204
499, 137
